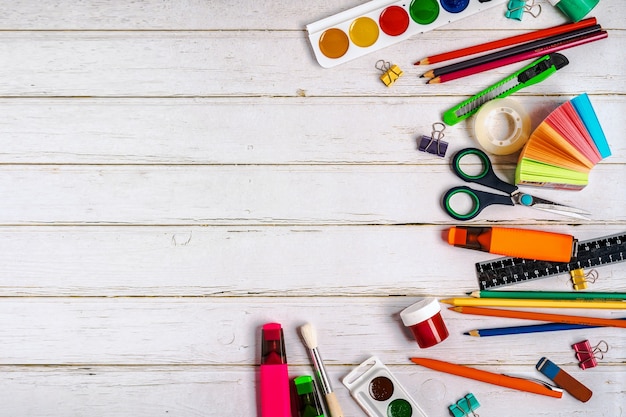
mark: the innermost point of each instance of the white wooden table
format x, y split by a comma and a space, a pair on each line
175, 174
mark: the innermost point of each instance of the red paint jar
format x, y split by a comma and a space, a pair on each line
425, 321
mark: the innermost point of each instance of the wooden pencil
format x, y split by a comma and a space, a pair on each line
550, 295
517, 58
529, 315
532, 328
535, 303
503, 43
513, 51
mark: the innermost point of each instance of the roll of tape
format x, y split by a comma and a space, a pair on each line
497, 112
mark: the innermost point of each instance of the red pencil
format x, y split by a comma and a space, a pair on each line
517, 58
513, 40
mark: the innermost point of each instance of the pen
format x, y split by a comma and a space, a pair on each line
520, 384
274, 378
519, 243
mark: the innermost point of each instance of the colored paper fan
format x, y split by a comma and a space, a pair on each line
564, 148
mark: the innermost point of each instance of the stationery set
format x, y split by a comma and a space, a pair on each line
559, 153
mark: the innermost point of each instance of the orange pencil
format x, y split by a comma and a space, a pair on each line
519, 243
520, 384
549, 317
513, 40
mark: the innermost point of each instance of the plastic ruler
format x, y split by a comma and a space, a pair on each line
591, 253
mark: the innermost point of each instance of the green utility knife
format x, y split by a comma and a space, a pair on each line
529, 75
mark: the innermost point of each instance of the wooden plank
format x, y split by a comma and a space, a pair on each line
251, 130
244, 195
221, 15
174, 174
185, 391
254, 63
223, 331
244, 261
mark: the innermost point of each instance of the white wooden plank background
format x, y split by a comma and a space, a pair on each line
175, 174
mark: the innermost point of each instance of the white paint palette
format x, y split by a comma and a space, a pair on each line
380, 23
379, 393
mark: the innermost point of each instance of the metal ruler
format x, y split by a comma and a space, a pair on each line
591, 253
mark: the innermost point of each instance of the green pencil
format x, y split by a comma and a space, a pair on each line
550, 295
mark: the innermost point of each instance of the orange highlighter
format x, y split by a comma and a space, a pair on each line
518, 243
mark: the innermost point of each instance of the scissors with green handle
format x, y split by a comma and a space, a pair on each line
488, 178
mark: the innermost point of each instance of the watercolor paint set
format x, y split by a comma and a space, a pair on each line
381, 23
379, 393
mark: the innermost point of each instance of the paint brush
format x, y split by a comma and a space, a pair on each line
310, 341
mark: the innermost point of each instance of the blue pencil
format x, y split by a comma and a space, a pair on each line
535, 328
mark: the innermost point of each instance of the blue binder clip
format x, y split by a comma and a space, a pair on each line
517, 8
465, 406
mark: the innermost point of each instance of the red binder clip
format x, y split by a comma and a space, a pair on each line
588, 356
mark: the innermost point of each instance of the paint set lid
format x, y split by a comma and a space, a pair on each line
420, 311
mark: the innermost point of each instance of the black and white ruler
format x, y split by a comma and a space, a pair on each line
591, 253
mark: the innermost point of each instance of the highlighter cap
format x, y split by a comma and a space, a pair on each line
308, 400
575, 9
470, 237
273, 345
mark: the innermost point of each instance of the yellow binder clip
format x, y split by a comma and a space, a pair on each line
579, 278
390, 72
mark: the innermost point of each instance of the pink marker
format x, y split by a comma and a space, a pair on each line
275, 401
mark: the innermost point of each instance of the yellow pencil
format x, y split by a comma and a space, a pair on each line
532, 303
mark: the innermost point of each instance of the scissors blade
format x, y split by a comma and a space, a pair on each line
550, 206
564, 210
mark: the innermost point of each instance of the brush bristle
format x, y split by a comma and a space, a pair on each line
309, 336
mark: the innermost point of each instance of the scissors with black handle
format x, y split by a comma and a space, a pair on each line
488, 178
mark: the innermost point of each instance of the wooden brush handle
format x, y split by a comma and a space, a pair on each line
334, 409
